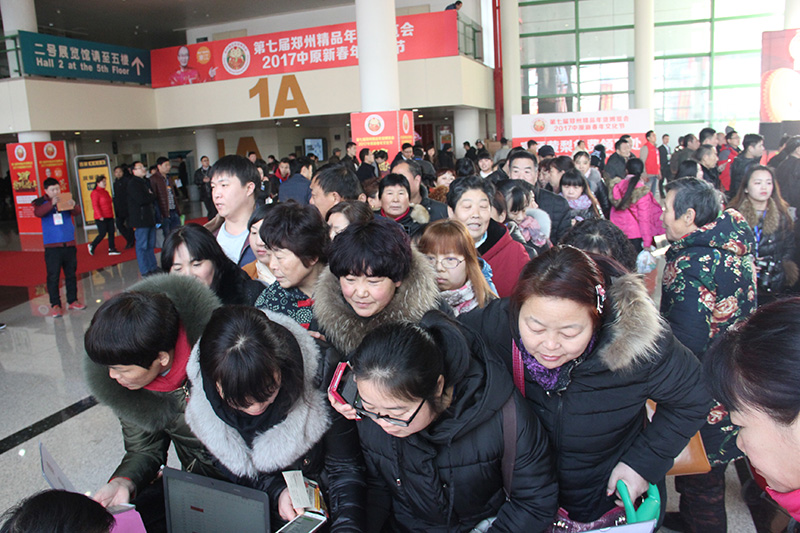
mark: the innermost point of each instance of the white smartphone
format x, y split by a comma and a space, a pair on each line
305, 523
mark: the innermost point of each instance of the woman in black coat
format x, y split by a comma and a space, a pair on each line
588, 352
439, 423
258, 405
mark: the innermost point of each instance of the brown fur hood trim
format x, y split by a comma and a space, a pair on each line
633, 330
419, 214
343, 328
638, 192
772, 221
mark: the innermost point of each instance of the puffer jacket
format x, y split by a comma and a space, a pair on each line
448, 477
598, 418
708, 286
311, 437
641, 219
775, 248
152, 420
102, 204
345, 330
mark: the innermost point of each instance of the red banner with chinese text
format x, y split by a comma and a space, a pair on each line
384, 130
51, 162
25, 184
421, 36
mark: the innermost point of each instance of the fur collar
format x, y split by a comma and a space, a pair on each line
154, 411
419, 214
631, 333
638, 193
279, 446
772, 220
343, 328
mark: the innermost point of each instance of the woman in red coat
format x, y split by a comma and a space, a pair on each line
103, 216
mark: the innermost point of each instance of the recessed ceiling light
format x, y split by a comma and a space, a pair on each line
77, 133
97, 140
420, 116
298, 125
414, 110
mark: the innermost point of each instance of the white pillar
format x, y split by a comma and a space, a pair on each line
17, 15
791, 15
512, 72
644, 52
33, 136
467, 126
377, 55
205, 144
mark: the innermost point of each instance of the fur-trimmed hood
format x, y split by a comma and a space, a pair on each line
631, 331
280, 445
343, 328
772, 220
639, 192
153, 411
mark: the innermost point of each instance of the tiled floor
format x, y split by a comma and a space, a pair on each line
41, 374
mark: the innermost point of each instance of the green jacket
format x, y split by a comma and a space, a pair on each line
151, 420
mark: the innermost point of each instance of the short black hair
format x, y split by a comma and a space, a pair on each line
364, 152
57, 510
251, 153
484, 154
696, 194
618, 144
465, 167
131, 328
532, 142
349, 144
300, 163
391, 180
601, 236
687, 169
236, 166
406, 145
751, 139
703, 151
339, 178
706, 133
259, 213
413, 165
521, 154
298, 228
49, 182
250, 357
461, 185
355, 211
161, 160
379, 248
730, 134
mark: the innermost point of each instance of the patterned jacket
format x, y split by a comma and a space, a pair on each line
709, 285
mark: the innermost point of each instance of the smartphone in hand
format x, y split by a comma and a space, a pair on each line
343, 387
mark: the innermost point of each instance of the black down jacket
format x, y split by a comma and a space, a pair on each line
598, 418
448, 477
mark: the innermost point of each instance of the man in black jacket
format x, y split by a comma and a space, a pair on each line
752, 150
122, 177
142, 218
203, 182
615, 166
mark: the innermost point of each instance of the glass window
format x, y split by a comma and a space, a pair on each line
606, 77
677, 10
737, 69
743, 34
605, 13
671, 106
683, 39
548, 81
551, 49
604, 102
731, 8
614, 44
730, 104
548, 17
680, 72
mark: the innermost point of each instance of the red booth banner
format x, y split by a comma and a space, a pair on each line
420, 36
383, 130
51, 162
562, 131
780, 75
25, 185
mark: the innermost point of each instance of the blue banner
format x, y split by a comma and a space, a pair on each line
61, 57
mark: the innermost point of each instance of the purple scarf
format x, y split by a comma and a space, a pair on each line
550, 379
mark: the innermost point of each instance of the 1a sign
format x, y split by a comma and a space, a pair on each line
61, 57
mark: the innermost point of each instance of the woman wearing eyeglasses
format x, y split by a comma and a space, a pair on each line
460, 276
439, 422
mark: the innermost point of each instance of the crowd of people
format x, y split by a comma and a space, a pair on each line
500, 343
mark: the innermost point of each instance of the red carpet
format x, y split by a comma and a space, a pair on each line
26, 269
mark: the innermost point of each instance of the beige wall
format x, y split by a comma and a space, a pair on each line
51, 105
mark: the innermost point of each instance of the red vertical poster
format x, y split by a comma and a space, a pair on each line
25, 185
51, 162
382, 130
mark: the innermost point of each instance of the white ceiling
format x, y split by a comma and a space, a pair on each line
154, 23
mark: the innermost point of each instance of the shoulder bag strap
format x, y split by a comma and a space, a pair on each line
519, 373
509, 444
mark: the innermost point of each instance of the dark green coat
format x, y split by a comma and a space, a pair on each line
152, 420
